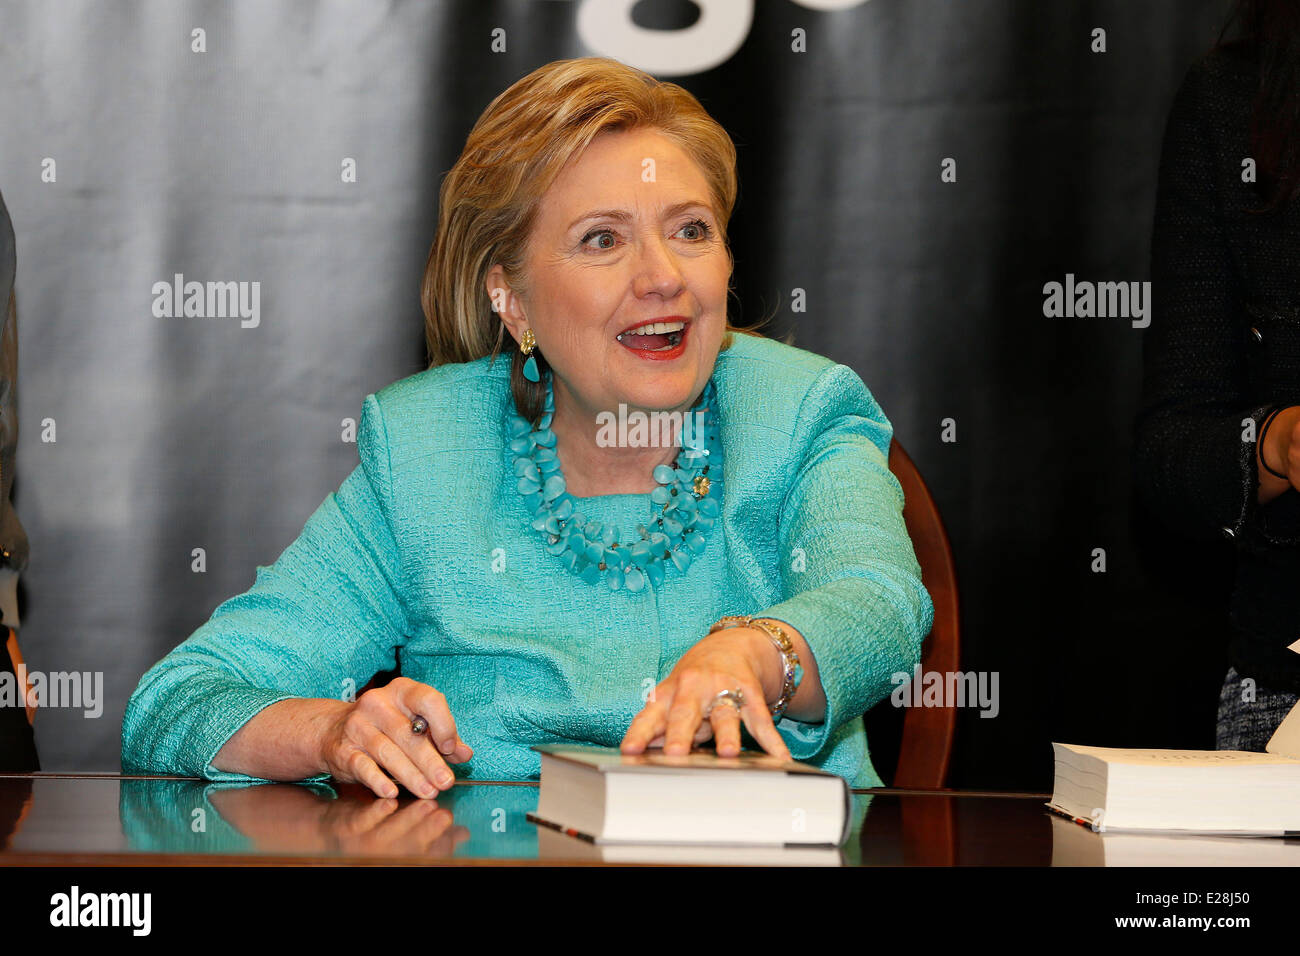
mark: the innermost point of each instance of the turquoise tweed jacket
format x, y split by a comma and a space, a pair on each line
425, 559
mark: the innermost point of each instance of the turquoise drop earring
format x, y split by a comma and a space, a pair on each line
528, 343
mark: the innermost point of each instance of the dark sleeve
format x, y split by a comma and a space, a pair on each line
1194, 455
13, 539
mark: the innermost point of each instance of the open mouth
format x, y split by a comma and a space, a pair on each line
655, 340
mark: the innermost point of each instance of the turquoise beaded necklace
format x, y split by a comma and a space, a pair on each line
687, 499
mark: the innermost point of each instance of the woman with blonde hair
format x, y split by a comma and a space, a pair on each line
518, 537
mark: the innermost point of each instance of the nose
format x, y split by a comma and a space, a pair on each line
657, 270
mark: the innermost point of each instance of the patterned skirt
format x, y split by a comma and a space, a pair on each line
1249, 715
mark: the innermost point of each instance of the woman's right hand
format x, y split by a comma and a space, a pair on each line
370, 742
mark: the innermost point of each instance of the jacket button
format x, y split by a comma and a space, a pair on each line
1256, 335
1229, 533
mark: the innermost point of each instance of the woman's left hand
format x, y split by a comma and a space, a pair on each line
734, 658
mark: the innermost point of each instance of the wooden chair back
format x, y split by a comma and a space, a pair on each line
917, 755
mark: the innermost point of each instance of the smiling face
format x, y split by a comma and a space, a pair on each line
625, 236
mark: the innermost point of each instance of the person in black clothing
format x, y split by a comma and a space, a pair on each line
1217, 444
17, 744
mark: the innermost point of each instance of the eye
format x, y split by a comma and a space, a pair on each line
705, 230
599, 232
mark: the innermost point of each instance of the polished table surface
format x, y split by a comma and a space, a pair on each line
110, 819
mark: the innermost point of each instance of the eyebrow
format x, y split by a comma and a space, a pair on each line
622, 215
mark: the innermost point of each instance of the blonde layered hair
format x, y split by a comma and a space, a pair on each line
489, 199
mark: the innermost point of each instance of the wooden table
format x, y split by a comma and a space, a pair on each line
110, 819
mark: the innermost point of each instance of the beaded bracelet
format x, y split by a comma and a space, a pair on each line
793, 671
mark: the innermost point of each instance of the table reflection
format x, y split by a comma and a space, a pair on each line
344, 820
110, 819
476, 821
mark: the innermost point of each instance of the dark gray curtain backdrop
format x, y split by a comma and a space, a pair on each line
172, 434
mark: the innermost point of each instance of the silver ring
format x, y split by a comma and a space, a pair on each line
734, 697
419, 725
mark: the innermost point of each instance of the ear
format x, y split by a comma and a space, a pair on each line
505, 302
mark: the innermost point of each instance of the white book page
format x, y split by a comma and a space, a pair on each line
1182, 758
1286, 739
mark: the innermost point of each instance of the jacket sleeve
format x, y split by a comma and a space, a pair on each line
319, 622
849, 573
1194, 462
13, 538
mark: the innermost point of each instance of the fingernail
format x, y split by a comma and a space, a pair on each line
445, 780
